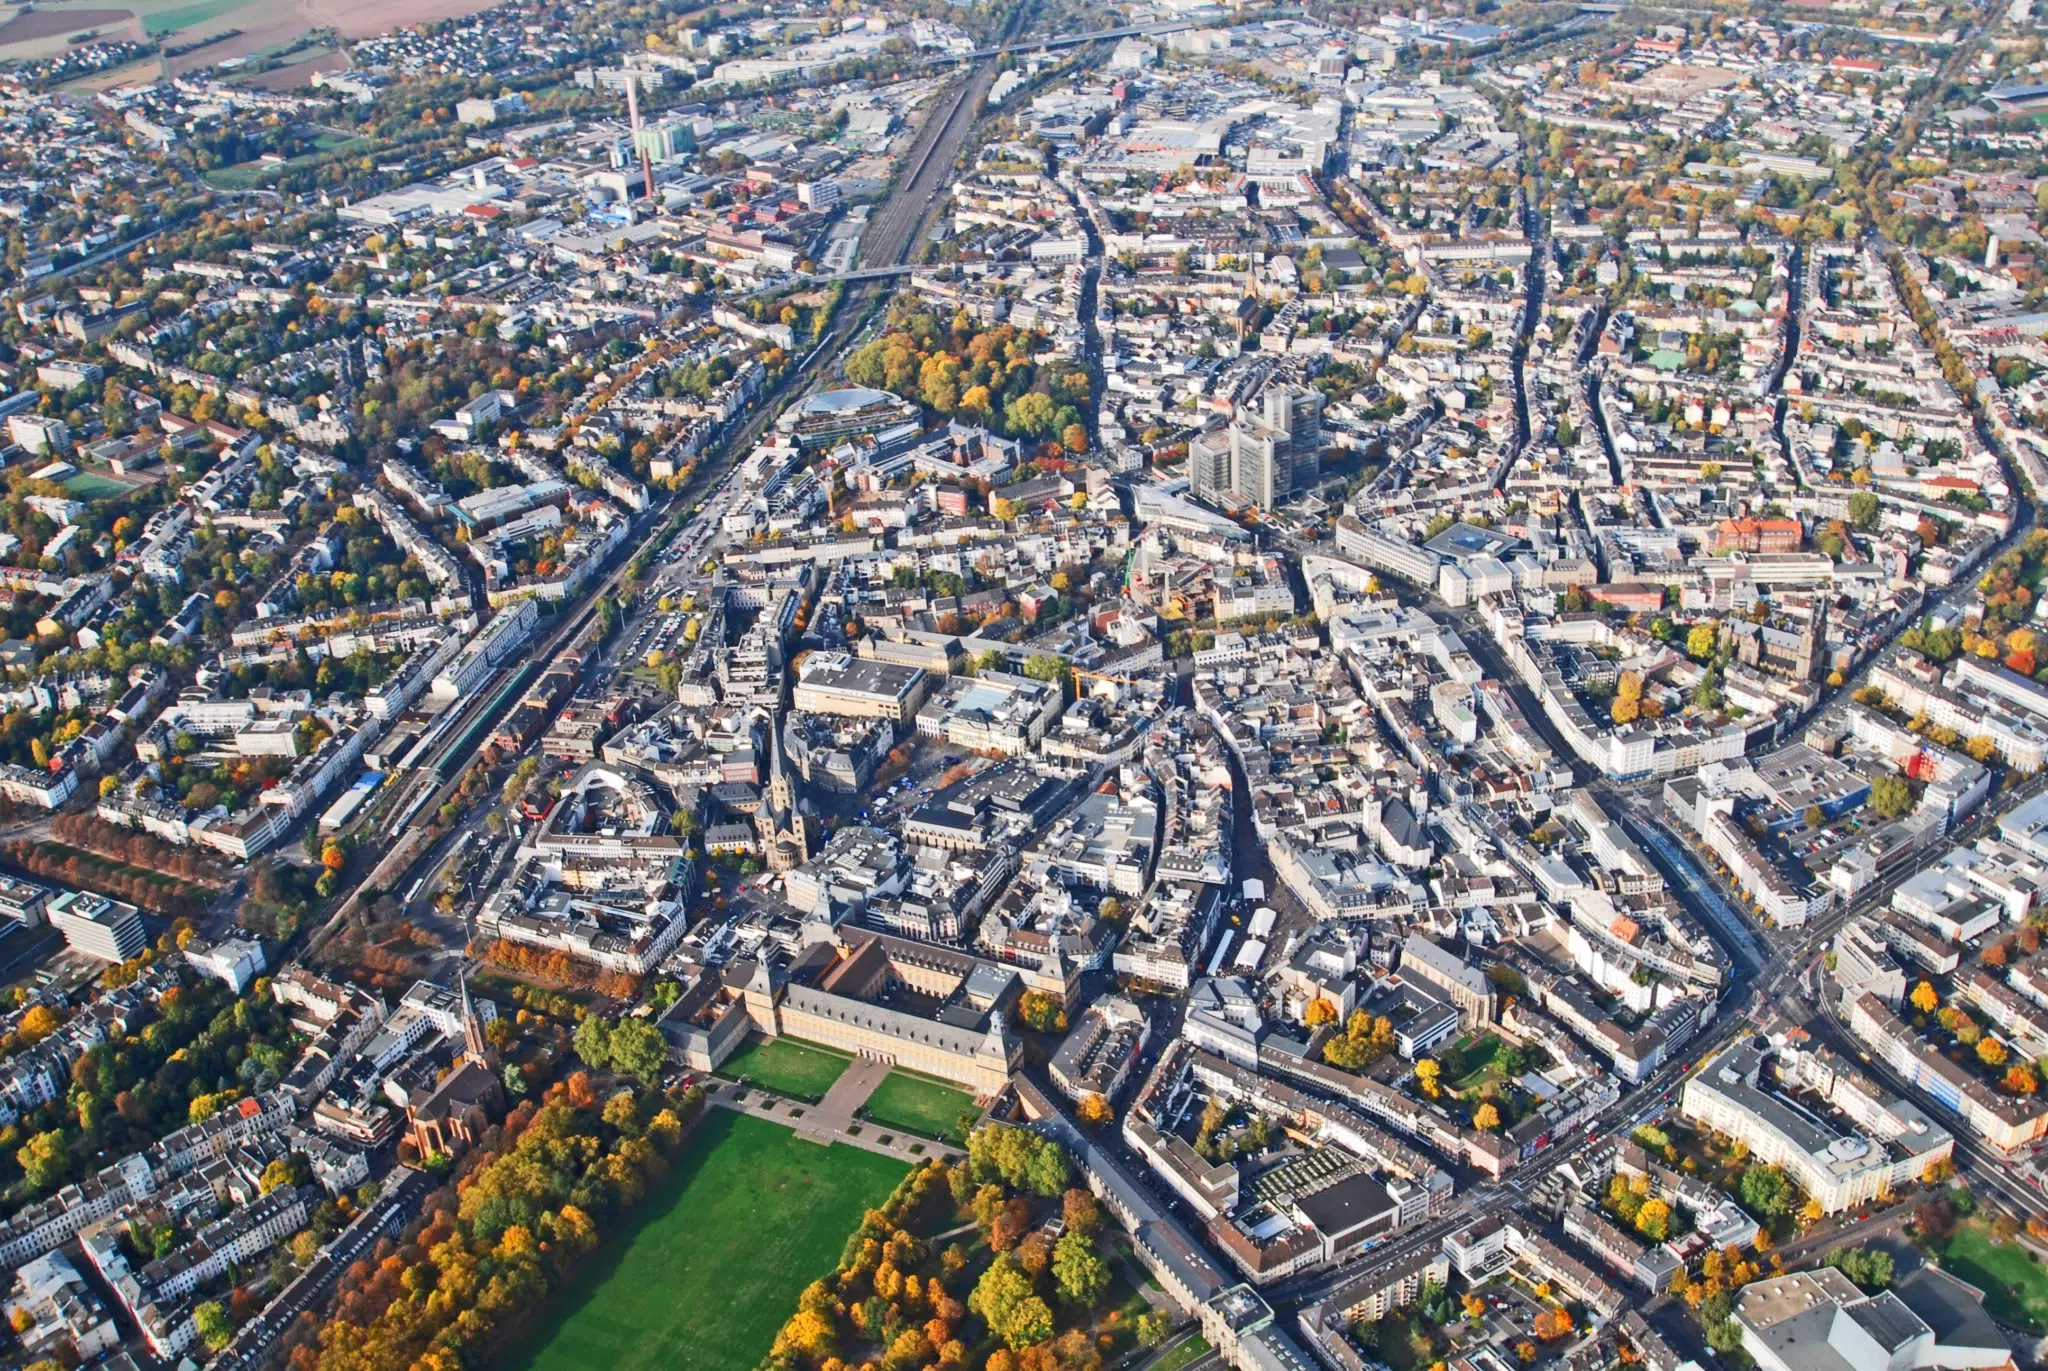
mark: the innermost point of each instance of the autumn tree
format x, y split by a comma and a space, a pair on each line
1079, 1271
1925, 998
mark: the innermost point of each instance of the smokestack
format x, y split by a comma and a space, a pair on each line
633, 116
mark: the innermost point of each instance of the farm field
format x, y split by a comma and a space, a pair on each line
749, 1216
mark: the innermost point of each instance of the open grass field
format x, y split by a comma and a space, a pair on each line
789, 1068
1480, 1064
186, 16
1194, 1348
921, 1105
750, 1215
2014, 1282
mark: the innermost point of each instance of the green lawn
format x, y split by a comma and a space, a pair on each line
1480, 1065
788, 1068
919, 1104
1182, 1354
2015, 1285
750, 1215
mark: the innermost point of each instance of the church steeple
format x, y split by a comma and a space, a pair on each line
475, 1047
781, 824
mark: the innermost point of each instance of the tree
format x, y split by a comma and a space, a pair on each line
2020, 1079
1319, 1012
1864, 510
594, 1042
1925, 998
211, 1321
1766, 1191
1031, 414
1486, 1116
1699, 642
1991, 1051
1426, 1072
1004, 1299
1869, 1267
1045, 666
1890, 796
279, 1172
44, 1161
1653, 1220
1080, 1212
1079, 1272
1552, 1324
1095, 1109
1814, 816
639, 1050
39, 1023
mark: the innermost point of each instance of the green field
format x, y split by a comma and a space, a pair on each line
1479, 1058
788, 1068
185, 16
750, 1215
2014, 1283
921, 1105
90, 485
1181, 1354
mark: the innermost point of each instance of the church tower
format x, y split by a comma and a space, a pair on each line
476, 1048
781, 823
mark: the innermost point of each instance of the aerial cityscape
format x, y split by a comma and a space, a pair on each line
1013, 685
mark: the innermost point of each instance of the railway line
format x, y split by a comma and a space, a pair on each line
892, 234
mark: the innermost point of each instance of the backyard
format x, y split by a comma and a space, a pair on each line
750, 1215
795, 1069
921, 1105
